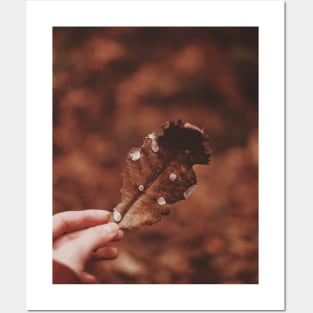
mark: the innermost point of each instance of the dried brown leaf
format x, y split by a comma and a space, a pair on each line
160, 173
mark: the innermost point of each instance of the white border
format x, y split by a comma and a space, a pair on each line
269, 17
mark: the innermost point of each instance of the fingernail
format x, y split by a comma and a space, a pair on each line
112, 227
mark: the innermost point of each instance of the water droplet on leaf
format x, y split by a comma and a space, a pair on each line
134, 154
161, 201
154, 146
172, 177
152, 136
154, 143
116, 215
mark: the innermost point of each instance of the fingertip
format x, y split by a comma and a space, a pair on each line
100, 235
105, 253
112, 227
98, 213
67, 221
87, 278
119, 235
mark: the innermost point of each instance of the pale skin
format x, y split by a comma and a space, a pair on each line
83, 236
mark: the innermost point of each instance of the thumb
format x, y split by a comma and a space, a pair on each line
97, 236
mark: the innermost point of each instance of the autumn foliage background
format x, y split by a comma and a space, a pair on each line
113, 86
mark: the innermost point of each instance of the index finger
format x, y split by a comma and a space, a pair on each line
75, 220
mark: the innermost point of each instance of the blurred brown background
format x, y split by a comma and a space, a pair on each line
113, 86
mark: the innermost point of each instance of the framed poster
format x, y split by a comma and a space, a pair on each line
101, 75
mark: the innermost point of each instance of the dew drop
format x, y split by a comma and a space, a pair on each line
154, 143
161, 201
172, 177
154, 146
116, 215
141, 187
189, 191
152, 136
134, 154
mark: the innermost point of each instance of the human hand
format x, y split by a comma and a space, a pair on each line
82, 236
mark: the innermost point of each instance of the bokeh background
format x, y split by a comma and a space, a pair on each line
113, 86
